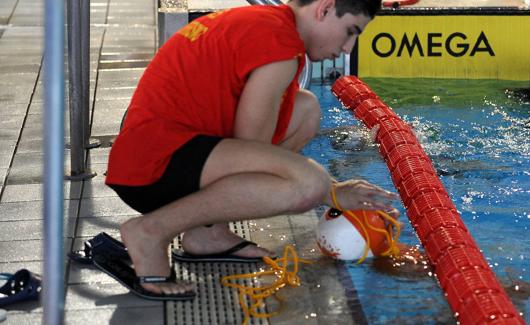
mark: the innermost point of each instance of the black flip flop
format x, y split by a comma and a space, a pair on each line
104, 241
21, 286
121, 271
226, 256
108, 243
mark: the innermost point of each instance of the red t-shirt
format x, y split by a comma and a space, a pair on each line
193, 86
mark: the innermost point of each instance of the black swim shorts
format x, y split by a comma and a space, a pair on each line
181, 177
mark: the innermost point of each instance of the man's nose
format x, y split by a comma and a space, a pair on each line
348, 46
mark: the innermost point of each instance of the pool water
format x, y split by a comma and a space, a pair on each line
477, 134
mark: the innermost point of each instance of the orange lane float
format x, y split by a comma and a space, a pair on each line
472, 290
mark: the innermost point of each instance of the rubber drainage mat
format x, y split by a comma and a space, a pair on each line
214, 303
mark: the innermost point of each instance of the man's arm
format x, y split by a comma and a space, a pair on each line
259, 105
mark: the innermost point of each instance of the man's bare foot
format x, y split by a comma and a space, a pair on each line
149, 255
215, 239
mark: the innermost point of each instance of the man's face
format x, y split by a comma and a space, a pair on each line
333, 35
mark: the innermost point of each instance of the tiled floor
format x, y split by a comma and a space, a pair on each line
118, 29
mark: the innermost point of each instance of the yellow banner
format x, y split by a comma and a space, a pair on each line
468, 47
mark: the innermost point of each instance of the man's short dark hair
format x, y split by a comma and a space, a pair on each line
354, 7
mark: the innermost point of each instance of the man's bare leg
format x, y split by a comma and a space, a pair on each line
303, 126
240, 180
305, 121
207, 240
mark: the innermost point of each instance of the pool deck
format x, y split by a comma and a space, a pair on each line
123, 39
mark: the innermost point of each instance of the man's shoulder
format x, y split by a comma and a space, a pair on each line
266, 16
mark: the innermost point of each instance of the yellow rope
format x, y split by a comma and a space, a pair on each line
336, 204
391, 235
252, 298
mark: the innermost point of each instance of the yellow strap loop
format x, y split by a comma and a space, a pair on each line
336, 204
252, 298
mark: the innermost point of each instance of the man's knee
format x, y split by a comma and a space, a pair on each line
313, 114
312, 187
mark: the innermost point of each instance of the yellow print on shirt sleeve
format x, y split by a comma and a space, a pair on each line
214, 15
193, 30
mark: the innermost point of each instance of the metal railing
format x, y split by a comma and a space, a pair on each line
53, 136
265, 2
78, 21
78, 15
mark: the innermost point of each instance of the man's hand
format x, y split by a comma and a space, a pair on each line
362, 195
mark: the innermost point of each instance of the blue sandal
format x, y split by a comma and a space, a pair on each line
21, 286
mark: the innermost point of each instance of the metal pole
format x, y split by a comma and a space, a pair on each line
265, 2
53, 135
77, 146
76, 94
85, 68
89, 143
307, 74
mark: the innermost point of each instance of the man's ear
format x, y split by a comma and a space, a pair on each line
324, 8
